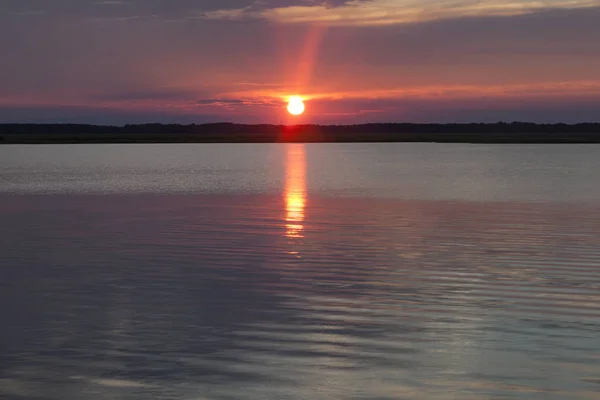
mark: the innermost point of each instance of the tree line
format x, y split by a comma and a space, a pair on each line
501, 132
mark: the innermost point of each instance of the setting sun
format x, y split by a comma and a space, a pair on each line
295, 106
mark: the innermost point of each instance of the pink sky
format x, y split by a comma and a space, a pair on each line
353, 61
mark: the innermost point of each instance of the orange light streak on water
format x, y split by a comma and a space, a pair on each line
295, 190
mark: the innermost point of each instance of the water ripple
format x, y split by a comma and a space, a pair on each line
214, 297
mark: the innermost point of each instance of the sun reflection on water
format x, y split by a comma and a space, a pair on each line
295, 190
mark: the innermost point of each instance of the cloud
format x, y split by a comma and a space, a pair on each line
389, 12
162, 9
324, 111
211, 102
157, 94
100, 115
556, 90
227, 14
330, 12
263, 101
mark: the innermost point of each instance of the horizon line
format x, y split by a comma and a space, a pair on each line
302, 125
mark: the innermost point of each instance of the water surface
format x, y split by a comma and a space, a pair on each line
299, 271
421, 171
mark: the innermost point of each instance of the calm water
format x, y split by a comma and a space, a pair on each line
388, 271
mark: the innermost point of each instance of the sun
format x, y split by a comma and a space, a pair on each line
295, 105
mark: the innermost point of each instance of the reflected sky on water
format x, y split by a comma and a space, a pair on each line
293, 293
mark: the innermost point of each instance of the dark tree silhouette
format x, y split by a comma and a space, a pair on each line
501, 132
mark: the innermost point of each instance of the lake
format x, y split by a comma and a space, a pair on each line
290, 271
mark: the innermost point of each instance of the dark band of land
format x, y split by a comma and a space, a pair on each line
515, 132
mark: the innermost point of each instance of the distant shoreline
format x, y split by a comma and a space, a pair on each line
506, 133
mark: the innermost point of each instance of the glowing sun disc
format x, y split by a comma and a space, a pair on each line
295, 106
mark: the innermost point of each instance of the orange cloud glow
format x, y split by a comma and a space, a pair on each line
391, 12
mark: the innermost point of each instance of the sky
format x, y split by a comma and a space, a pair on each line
353, 61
